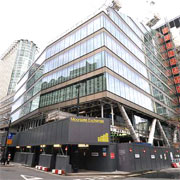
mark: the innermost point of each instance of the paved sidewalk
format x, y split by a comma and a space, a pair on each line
88, 172
99, 173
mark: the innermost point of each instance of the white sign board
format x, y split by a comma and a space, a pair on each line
94, 154
137, 156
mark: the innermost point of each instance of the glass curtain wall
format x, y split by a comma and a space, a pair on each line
87, 87
77, 35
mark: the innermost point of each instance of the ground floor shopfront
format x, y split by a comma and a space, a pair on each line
84, 143
122, 157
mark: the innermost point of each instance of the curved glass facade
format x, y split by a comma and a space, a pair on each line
127, 49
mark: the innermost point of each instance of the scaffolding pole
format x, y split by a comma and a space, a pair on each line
102, 111
152, 131
163, 134
112, 114
128, 123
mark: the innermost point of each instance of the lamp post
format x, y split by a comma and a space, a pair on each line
5, 146
78, 88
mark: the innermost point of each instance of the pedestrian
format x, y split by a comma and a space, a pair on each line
3, 159
9, 158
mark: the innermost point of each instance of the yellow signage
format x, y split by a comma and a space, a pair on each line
84, 120
103, 138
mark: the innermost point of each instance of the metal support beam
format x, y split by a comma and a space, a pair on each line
78, 91
112, 114
163, 134
102, 110
175, 135
151, 134
128, 123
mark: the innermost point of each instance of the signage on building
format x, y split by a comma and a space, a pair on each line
9, 138
94, 154
104, 154
137, 156
103, 138
112, 155
104, 149
10, 135
9, 141
86, 120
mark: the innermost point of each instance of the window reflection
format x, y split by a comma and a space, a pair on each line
90, 86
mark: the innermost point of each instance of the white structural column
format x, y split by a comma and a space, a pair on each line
163, 134
178, 132
175, 135
128, 123
112, 114
151, 134
102, 110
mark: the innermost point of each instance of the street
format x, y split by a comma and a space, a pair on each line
19, 172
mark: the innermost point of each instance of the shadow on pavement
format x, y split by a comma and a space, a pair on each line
162, 175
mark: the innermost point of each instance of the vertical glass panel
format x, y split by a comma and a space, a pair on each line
97, 61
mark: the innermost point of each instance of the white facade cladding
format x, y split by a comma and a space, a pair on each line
109, 53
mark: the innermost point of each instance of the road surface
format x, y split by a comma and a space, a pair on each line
19, 172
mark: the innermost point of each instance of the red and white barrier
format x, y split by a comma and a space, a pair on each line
58, 171
42, 168
45, 169
175, 165
39, 167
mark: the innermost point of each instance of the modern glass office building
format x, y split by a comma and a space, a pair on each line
14, 63
114, 59
26, 51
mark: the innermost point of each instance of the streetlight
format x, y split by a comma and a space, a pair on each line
5, 146
78, 88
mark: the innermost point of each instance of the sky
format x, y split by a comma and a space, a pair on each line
42, 21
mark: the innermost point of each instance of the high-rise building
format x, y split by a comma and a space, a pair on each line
5, 110
14, 63
109, 69
170, 49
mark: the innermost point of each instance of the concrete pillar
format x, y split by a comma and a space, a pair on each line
151, 134
112, 114
178, 132
175, 135
133, 120
102, 110
163, 134
128, 123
